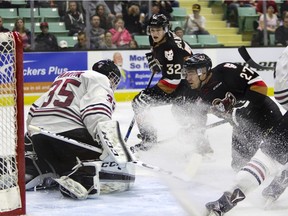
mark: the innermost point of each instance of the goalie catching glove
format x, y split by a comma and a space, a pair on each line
153, 63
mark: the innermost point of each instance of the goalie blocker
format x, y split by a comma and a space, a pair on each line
80, 172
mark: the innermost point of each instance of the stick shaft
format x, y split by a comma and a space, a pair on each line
247, 58
37, 130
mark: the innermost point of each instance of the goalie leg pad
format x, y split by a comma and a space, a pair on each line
116, 179
109, 135
39, 174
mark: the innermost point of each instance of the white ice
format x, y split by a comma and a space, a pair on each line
154, 194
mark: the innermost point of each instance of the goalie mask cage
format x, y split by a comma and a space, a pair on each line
12, 163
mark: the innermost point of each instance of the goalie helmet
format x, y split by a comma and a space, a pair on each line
197, 61
158, 20
109, 69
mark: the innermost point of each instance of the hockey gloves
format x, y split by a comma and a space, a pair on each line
153, 63
141, 101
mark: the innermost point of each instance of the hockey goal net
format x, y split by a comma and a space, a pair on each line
12, 166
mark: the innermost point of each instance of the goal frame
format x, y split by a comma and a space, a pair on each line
20, 150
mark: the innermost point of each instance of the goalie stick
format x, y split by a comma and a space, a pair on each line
247, 58
150, 167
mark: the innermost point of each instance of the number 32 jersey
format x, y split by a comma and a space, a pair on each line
76, 99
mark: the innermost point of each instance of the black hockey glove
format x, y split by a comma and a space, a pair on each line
141, 101
153, 63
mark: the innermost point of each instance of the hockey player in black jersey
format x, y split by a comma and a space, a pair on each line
271, 157
168, 52
238, 94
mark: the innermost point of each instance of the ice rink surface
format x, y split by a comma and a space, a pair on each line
154, 194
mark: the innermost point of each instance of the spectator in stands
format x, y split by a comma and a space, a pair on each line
96, 32
165, 8
45, 41
281, 34
82, 43
2, 28
232, 10
195, 23
19, 26
5, 4
120, 35
92, 7
44, 3
179, 32
133, 44
116, 7
283, 8
174, 3
74, 19
107, 43
271, 25
131, 17
259, 6
106, 20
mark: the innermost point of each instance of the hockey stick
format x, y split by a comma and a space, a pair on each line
215, 124
150, 167
247, 58
133, 120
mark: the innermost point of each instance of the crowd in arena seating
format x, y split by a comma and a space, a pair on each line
276, 14
99, 24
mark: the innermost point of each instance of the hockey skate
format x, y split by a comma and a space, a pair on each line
273, 191
225, 203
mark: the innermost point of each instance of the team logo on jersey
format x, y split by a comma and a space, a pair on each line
226, 104
169, 55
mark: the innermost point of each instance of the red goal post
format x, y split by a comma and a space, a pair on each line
12, 162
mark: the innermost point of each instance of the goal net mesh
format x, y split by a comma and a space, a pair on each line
10, 113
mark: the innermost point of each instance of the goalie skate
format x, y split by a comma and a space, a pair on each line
225, 203
273, 191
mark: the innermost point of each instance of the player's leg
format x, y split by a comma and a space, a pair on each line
48, 157
247, 179
277, 148
38, 172
244, 145
107, 173
141, 106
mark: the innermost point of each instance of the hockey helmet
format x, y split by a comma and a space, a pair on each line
158, 20
109, 69
197, 61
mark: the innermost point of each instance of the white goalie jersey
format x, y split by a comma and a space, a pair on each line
281, 79
76, 99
